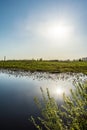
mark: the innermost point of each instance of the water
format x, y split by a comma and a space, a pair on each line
17, 90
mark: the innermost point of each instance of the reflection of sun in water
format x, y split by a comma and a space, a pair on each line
60, 90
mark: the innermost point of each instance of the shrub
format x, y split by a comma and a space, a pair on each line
72, 115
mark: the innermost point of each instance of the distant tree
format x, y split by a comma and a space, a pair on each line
40, 59
80, 59
33, 59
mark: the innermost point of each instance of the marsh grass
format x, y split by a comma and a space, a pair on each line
45, 66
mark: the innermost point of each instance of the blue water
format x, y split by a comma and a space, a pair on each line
17, 90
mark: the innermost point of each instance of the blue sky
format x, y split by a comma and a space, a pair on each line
51, 29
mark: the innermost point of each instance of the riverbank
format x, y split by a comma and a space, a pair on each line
45, 66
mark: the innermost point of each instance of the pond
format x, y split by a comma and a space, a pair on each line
18, 89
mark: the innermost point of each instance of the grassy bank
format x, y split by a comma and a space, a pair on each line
45, 66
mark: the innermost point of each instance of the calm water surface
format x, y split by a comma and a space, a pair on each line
17, 90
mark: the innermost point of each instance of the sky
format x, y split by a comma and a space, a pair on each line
48, 29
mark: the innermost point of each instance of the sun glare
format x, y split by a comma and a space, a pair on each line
58, 31
59, 90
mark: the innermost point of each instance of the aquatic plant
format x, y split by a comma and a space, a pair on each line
72, 115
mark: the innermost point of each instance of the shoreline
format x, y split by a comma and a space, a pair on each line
45, 66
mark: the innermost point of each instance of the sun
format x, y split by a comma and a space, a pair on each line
58, 31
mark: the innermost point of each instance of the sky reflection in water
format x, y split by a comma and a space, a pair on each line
17, 90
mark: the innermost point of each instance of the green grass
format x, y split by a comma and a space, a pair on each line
45, 66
